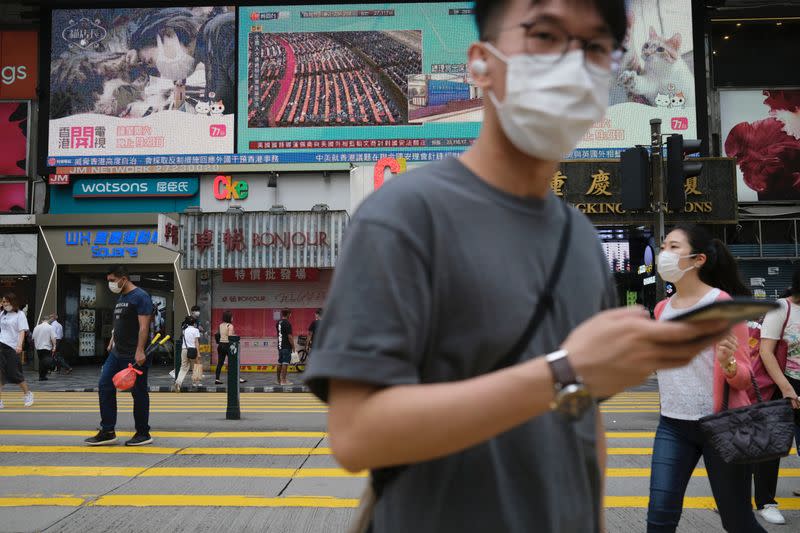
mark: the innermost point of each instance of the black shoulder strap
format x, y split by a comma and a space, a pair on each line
381, 477
545, 303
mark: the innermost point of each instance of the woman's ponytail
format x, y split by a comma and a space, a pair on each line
720, 269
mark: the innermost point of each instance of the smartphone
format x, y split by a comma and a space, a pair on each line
736, 310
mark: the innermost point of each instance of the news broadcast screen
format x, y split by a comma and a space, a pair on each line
224, 89
142, 86
356, 82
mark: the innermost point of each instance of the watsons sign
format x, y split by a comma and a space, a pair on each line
135, 188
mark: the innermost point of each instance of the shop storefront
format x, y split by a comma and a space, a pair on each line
18, 269
595, 188
74, 256
255, 264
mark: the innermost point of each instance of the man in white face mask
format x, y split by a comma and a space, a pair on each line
464, 334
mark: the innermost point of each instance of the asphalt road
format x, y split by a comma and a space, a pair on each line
271, 471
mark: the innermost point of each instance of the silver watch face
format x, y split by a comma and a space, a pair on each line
573, 400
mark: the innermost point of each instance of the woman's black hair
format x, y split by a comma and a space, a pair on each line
795, 288
227, 316
13, 301
720, 269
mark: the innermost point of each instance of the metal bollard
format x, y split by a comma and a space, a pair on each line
233, 412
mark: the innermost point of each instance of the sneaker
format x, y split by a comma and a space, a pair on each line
176, 387
218, 381
103, 438
140, 439
242, 380
771, 514
796, 492
1, 404
28, 399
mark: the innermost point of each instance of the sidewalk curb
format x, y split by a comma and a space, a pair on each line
163, 388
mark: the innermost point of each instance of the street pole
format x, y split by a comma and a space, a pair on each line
659, 205
233, 411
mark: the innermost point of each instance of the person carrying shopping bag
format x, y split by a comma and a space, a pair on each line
702, 270
780, 355
190, 355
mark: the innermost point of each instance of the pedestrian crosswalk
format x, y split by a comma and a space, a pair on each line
275, 467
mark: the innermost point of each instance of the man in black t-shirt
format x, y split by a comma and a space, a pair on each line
132, 315
312, 329
285, 346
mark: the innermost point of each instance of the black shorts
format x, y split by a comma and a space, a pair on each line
10, 366
284, 356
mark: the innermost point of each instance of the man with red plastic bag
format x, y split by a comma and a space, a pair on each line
132, 315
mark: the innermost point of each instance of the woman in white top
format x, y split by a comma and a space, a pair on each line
190, 355
702, 270
13, 326
787, 381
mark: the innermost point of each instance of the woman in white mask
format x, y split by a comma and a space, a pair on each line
702, 270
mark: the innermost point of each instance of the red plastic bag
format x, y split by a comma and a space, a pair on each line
125, 379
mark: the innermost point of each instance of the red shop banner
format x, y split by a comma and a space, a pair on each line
250, 275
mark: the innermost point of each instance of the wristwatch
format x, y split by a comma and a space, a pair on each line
572, 399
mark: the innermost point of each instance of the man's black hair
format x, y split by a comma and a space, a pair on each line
488, 13
195, 308
285, 313
120, 271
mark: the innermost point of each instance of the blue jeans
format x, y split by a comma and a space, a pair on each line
108, 395
678, 446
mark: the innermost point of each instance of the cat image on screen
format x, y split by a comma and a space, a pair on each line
678, 101
217, 108
663, 100
202, 107
663, 67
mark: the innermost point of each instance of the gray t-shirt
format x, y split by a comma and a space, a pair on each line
438, 277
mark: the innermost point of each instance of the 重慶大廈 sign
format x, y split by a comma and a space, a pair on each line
595, 188
135, 188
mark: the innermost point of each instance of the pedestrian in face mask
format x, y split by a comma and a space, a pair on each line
411, 357
702, 270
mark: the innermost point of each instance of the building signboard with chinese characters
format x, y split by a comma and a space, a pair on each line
249, 275
595, 188
168, 233
98, 245
135, 188
299, 239
111, 243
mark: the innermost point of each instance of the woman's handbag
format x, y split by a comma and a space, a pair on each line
752, 434
191, 353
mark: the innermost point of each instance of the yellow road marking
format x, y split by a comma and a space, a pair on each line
689, 502
192, 500
698, 472
649, 451
243, 434
29, 502
155, 450
142, 471
255, 451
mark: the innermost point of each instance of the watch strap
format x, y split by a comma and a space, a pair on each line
563, 373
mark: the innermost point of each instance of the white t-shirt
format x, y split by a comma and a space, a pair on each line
10, 326
687, 393
58, 330
43, 336
190, 336
771, 329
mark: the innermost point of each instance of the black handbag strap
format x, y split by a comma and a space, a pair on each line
545, 303
380, 478
727, 392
